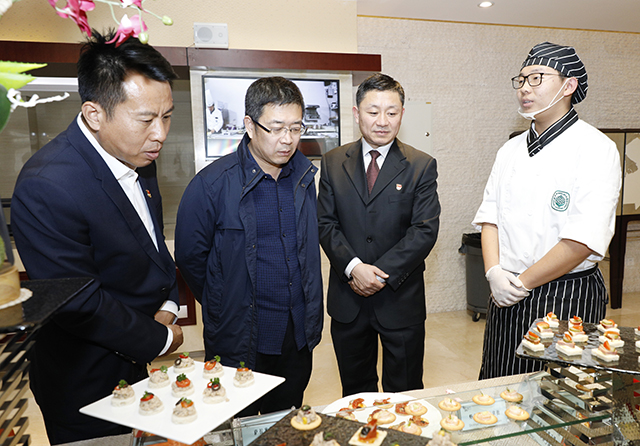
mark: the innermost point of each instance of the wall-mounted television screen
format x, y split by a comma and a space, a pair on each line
224, 114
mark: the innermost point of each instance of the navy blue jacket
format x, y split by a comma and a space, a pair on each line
71, 218
216, 240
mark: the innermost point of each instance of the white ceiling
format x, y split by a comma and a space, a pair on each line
603, 15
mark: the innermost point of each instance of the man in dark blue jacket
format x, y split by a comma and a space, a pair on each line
88, 205
247, 245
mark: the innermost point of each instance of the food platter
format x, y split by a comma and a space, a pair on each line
433, 415
210, 416
629, 354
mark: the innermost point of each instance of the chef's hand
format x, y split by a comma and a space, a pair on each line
178, 339
506, 288
365, 279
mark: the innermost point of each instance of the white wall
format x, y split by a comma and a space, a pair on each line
293, 25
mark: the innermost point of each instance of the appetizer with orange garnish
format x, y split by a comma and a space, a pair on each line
346, 413
184, 411
606, 352
420, 421
159, 378
613, 337
368, 435
511, 396
452, 423
575, 320
567, 347
608, 325
244, 376
401, 408
150, 404
577, 333
383, 403
449, 405
184, 363
637, 331
544, 330
382, 416
485, 418
123, 394
532, 342
212, 368
516, 413
357, 404
483, 400
214, 393
182, 386
551, 319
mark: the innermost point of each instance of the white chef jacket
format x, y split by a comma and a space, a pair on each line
569, 190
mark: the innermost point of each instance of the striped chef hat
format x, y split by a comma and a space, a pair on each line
562, 59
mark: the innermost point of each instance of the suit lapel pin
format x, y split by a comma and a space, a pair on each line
398, 186
148, 193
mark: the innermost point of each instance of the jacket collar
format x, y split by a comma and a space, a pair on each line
354, 167
112, 188
252, 173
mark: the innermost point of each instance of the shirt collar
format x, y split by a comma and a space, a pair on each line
116, 167
286, 170
535, 142
383, 150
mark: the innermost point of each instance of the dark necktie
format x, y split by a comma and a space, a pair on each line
372, 170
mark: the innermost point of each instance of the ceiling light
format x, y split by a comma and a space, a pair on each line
485, 4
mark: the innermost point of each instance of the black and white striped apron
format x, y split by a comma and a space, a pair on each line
575, 294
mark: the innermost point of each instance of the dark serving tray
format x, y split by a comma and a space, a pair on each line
342, 430
628, 362
48, 296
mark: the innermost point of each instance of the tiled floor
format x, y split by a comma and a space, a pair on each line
453, 346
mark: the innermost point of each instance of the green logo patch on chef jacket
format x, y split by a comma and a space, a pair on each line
560, 201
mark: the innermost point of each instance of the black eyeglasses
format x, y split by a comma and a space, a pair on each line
296, 130
534, 79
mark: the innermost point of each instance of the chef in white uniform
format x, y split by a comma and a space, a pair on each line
548, 211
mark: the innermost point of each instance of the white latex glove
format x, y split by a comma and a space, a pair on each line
506, 288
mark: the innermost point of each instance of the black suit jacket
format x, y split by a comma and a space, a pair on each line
71, 218
394, 228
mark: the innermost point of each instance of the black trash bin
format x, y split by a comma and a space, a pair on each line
477, 286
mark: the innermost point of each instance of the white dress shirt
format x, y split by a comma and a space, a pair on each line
128, 180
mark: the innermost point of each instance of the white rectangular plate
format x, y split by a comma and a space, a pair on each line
210, 416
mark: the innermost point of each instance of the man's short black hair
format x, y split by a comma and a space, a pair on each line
380, 82
271, 90
103, 67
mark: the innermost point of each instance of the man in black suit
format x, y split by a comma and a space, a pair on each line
378, 216
88, 205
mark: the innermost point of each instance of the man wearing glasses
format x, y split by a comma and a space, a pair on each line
548, 211
247, 245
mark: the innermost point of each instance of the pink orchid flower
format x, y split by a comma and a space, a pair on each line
76, 10
133, 26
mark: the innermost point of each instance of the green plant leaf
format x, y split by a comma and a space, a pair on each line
5, 108
14, 80
19, 67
